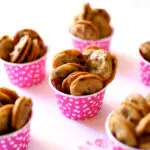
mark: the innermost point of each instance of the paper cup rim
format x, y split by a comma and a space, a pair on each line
144, 60
17, 131
112, 138
73, 96
98, 40
24, 64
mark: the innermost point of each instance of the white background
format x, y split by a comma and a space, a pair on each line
51, 18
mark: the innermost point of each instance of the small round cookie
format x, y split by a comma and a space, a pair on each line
89, 50
34, 51
5, 99
140, 102
122, 129
68, 56
145, 50
11, 93
67, 82
86, 11
21, 112
61, 72
144, 142
143, 126
129, 112
85, 30
86, 84
5, 118
100, 63
18, 49
6, 47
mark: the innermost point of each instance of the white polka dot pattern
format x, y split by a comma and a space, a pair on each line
27, 75
145, 73
81, 44
82, 107
19, 141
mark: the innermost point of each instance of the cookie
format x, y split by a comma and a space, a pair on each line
129, 112
18, 49
148, 99
5, 118
67, 82
34, 51
61, 72
143, 126
6, 47
86, 85
21, 112
89, 50
140, 102
122, 129
11, 93
145, 50
68, 56
100, 63
5, 99
85, 30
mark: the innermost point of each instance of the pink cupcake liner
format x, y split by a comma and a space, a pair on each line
28, 74
80, 44
79, 107
18, 140
114, 140
145, 71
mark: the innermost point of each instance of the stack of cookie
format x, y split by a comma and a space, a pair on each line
84, 73
130, 122
15, 111
26, 46
91, 24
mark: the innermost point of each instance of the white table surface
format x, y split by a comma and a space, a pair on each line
50, 130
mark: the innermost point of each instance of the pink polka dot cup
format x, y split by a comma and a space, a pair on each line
121, 145
81, 44
144, 71
78, 107
18, 140
26, 74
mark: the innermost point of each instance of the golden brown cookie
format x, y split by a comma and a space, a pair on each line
144, 142
61, 72
11, 93
67, 82
86, 85
122, 129
89, 50
19, 49
145, 50
140, 102
5, 99
143, 126
5, 118
129, 112
85, 30
34, 51
6, 47
21, 112
68, 56
100, 63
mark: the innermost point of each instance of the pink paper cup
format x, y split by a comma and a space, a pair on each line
116, 142
27, 74
144, 71
81, 44
18, 140
79, 107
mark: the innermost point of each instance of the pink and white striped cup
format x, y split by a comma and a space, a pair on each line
18, 140
81, 44
78, 107
26, 74
144, 70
